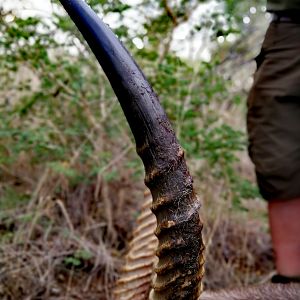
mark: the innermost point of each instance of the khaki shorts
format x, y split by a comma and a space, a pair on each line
273, 118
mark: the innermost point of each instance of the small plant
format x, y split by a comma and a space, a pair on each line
78, 259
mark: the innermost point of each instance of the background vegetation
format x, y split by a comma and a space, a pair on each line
71, 182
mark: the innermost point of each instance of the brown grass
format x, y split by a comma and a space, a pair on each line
69, 241
68, 244
239, 254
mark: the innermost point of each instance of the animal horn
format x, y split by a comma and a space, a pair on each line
180, 251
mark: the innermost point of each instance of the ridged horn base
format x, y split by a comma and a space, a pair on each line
136, 276
181, 250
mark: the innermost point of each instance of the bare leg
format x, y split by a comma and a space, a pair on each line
284, 217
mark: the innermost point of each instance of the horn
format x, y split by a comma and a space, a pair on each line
180, 251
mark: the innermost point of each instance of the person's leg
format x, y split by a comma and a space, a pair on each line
284, 217
274, 141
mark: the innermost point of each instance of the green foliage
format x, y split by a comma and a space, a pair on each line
10, 198
78, 258
63, 115
243, 189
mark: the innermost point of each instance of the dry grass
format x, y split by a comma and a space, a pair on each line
69, 241
239, 253
68, 244
238, 244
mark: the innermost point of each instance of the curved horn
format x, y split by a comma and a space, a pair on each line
180, 251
